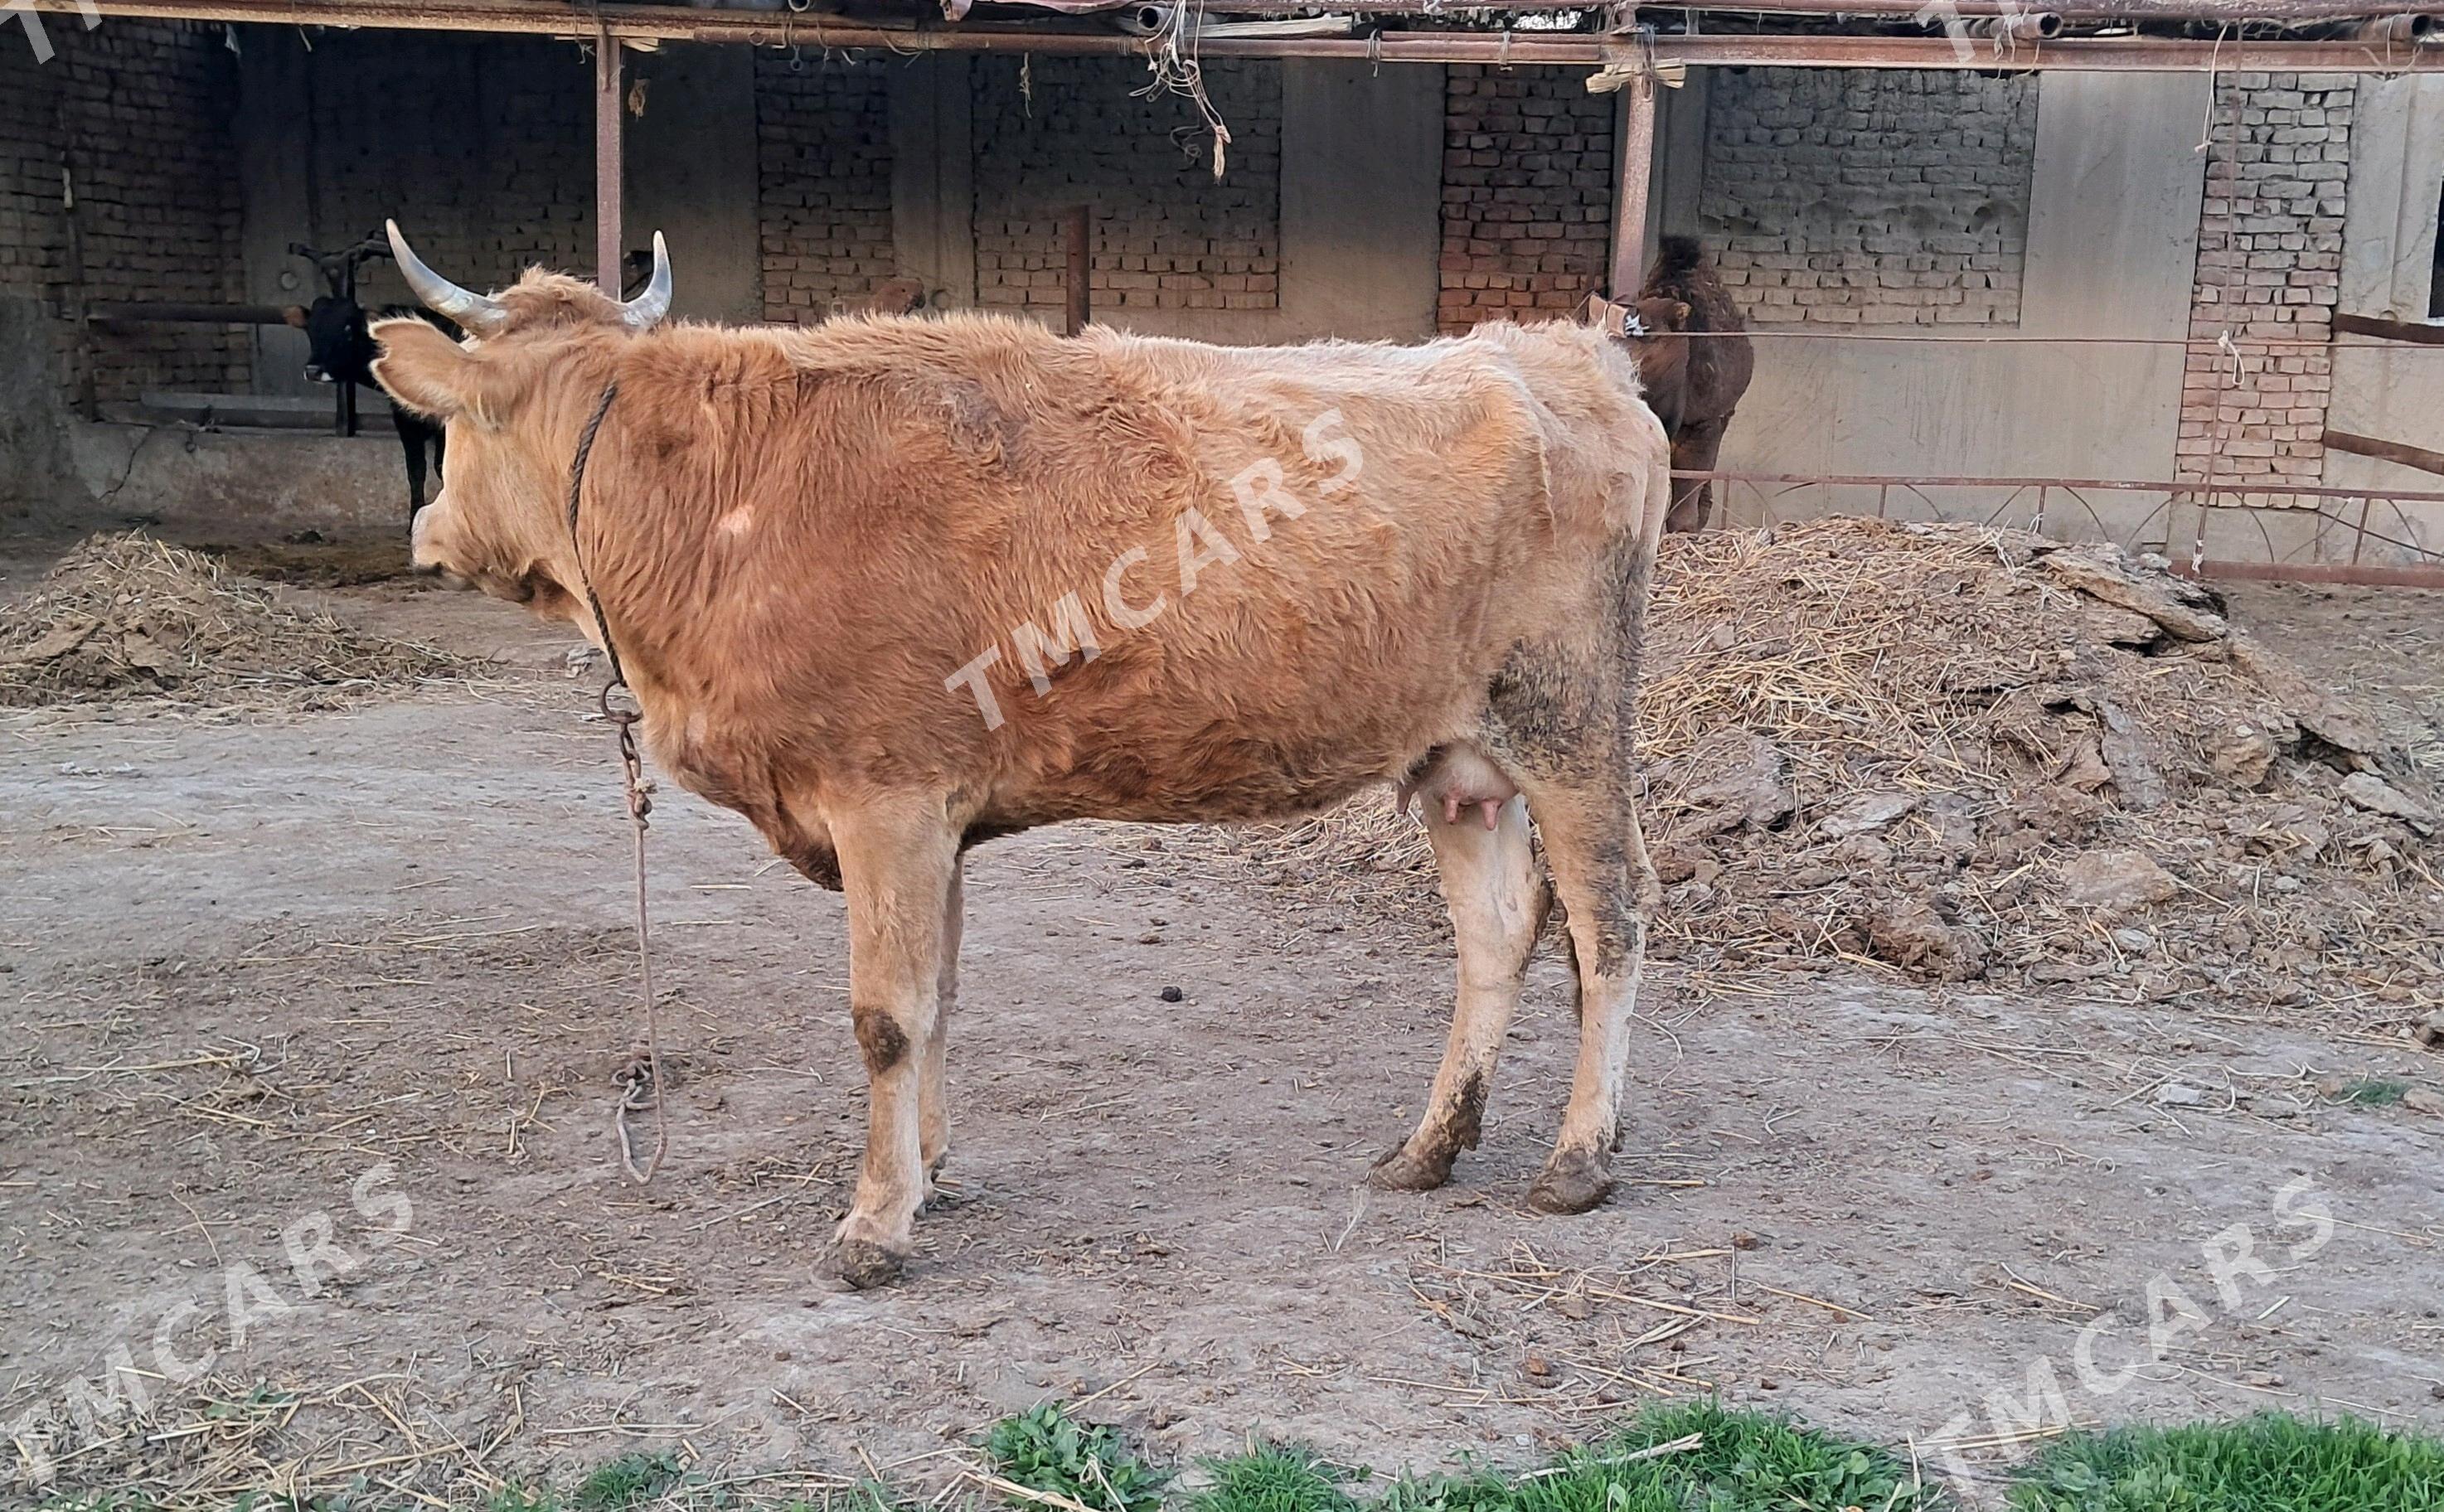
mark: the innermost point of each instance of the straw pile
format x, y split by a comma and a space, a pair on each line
125, 616
1958, 753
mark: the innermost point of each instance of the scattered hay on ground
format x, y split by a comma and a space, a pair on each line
124, 616
307, 560
1959, 753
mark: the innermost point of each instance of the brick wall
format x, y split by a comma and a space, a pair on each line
142, 112
1527, 189
1166, 234
1870, 197
823, 156
2270, 260
482, 147
31, 231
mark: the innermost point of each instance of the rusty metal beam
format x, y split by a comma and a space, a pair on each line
1633, 168
767, 28
610, 172
2400, 453
150, 313
2359, 575
2190, 489
2235, 12
2389, 330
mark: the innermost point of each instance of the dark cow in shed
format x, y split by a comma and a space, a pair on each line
340, 349
1694, 359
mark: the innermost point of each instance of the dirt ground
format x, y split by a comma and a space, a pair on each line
363, 979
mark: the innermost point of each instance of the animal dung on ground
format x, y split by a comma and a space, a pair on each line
124, 616
1959, 753
2115, 882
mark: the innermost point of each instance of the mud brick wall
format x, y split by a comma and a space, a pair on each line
2269, 261
824, 153
1528, 192
1867, 198
140, 112
482, 147
1166, 234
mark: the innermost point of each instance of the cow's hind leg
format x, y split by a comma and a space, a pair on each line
1605, 883
1497, 904
898, 860
1563, 714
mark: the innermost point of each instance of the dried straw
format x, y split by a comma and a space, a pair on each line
124, 616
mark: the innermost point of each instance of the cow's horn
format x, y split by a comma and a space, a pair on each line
474, 312
647, 310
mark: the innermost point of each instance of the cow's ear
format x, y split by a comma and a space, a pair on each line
427, 371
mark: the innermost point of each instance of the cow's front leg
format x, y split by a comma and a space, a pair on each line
898, 860
410, 440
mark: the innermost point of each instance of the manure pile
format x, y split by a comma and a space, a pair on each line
1963, 754
123, 616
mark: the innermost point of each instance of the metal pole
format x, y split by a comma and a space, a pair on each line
1635, 170
89, 399
609, 166
1074, 226
344, 402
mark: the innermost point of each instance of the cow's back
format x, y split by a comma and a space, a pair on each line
1300, 565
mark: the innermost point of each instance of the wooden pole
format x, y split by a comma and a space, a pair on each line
1635, 170
608, 165
1075, 227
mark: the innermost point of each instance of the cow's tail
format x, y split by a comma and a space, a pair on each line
1638, 549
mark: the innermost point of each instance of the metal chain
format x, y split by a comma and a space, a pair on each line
624, 718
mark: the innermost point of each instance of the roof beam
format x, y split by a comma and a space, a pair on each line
2235, 12
648, 23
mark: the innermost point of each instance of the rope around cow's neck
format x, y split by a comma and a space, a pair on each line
623, 720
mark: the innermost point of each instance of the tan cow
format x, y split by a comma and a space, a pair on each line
891, 586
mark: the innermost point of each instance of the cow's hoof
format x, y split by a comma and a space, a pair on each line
1400, 1171
1571, 1183
862, 1266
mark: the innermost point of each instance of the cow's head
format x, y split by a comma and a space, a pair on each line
1655, 329
515, 397
338, 347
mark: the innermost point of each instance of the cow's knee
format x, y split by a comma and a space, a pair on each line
879, 1038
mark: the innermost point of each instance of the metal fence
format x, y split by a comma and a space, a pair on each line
2299, 534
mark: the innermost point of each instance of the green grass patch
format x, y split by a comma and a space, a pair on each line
1740, 1462
1046, 1450
626, 1481
1692, 1457
2271, 1463
2370, 1092
1277, 1478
